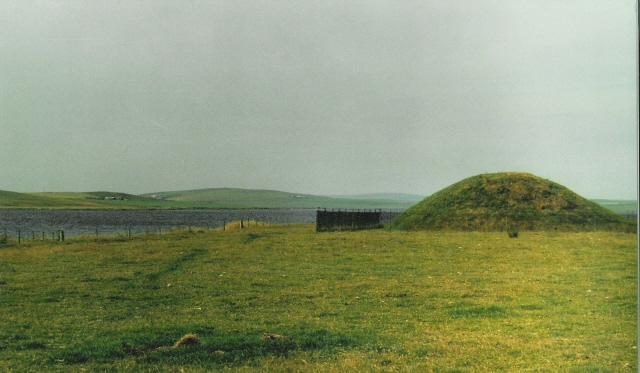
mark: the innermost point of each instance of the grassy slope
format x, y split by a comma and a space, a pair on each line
360, 301
508, 201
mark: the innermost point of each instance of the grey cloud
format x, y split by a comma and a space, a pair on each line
316, 97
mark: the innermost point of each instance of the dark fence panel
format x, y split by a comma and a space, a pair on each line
347, 220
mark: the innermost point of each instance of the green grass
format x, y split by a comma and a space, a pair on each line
348, 301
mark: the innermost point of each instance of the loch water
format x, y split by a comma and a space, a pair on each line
35, 223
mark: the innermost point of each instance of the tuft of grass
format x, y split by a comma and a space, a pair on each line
187, 340
477, 311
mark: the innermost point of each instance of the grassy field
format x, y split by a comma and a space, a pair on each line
367, 301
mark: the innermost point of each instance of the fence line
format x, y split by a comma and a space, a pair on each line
21, 235
360, 218
352, 219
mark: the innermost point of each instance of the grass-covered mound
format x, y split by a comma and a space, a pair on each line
509, 201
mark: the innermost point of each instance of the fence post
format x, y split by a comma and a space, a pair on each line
60, 235
18, 236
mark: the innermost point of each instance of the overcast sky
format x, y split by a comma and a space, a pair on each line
316, 97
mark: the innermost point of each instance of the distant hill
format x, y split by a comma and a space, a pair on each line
382, 196
619, 206
28, 200
233, 198
261, 198
508, 201
76, 200
104, 195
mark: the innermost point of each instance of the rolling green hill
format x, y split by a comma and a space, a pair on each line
409, 198
201, 198
28, 200
92, 196
78, 200
509, 201
259, 198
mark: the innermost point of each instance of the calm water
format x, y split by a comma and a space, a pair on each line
85, 222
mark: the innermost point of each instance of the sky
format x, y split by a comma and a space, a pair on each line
317, 97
